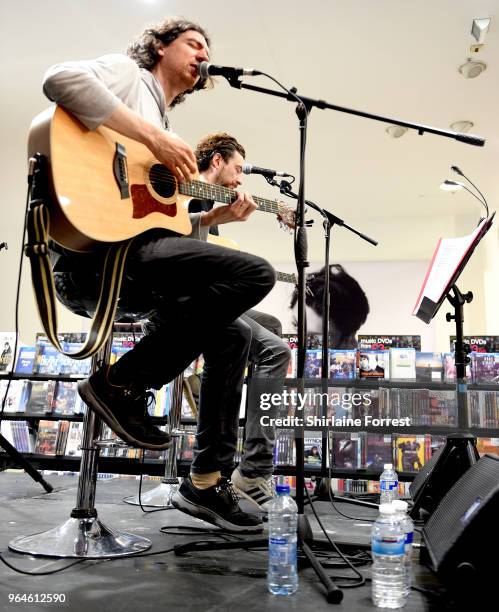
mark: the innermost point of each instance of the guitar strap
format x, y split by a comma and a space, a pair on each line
37, 249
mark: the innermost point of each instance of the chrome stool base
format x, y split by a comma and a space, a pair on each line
159, 497
86, 538
83, 535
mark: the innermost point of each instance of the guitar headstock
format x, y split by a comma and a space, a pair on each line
285, 216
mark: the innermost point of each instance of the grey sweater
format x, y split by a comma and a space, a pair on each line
92, 89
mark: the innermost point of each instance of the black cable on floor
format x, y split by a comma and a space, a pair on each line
142, 461
352, 518
361, 580
195, 531
132, 556
48, 573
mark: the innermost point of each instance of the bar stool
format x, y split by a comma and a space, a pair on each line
83, 535
160, 496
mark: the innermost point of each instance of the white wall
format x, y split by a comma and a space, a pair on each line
391, 287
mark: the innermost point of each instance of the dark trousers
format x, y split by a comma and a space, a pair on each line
195, 292
270, 356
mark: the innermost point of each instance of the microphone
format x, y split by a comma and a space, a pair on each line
205, 69
470, 139
250, 169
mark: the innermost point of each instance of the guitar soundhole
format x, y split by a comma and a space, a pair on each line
162, 181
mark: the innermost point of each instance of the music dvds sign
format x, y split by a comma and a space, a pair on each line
478, 344
384, 343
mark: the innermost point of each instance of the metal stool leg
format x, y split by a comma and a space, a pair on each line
83, 535
160, 496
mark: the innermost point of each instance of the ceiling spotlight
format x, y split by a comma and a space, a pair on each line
451, 186
396, 131
461, 126
472, 68
479, 28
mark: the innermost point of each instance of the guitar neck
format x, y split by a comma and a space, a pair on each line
207, 191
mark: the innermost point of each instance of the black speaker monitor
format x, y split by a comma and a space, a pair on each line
438, 475
462, 534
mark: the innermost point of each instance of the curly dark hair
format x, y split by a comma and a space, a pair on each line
220, 142
144, 50
348, 308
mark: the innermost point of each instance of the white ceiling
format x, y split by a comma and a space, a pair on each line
396, 58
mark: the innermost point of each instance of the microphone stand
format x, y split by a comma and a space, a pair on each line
329, 220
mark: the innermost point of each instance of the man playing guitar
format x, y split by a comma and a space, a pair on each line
220, 158
175, 277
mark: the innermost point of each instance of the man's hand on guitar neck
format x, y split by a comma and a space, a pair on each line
239, 210
167, 147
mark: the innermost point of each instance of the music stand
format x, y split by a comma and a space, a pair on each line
459, 453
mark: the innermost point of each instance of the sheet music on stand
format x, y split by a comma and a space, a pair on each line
449, 259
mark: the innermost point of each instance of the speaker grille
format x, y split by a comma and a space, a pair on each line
477, 490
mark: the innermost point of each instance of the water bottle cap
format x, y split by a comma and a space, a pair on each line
399, 504
282, 488
386, 509
388, 466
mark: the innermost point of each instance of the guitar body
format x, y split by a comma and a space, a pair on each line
105, 187
224, 242
284, 277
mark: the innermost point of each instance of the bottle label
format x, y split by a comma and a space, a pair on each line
388, 485
282, 551
409, 537
388, 545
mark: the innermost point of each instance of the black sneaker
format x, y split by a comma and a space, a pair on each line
124, 410
217, 505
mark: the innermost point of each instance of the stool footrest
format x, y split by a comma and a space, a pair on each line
83, 513
111, 443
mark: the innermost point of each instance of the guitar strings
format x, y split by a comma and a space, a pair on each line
162, 175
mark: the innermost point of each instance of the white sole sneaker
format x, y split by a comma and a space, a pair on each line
256, 490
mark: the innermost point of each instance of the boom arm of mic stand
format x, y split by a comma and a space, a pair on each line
285, 189
470, 139
334, 220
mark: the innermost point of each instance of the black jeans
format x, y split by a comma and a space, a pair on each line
194, 292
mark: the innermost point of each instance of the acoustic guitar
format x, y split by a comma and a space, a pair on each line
105, 187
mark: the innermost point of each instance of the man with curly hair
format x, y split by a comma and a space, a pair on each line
220, 158
167, 276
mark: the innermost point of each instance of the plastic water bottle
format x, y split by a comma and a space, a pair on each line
408, 528
389, 483
388, 570
282, 577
